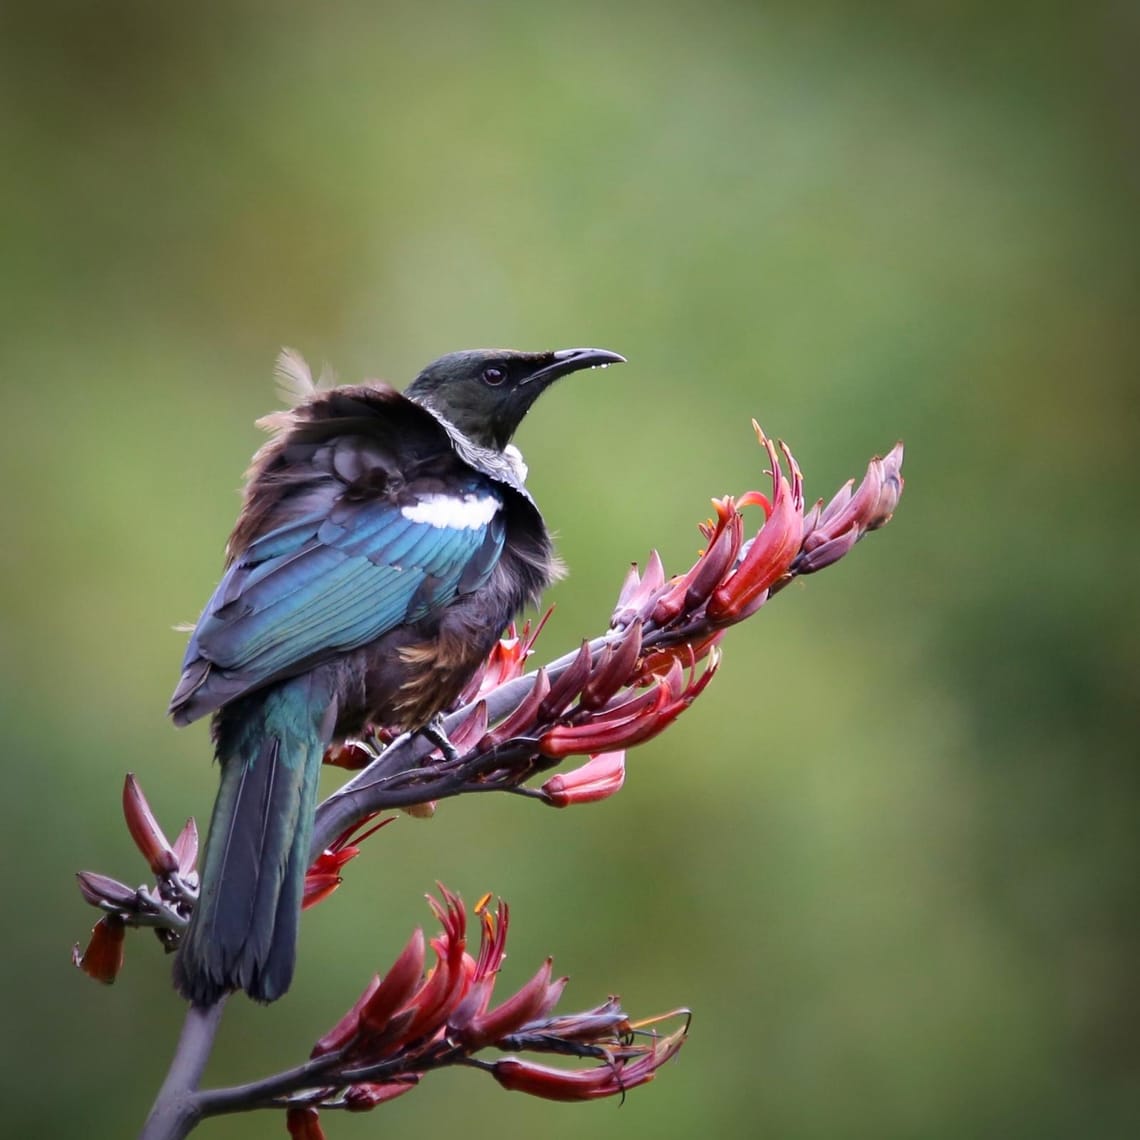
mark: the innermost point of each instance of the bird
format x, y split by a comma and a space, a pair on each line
384, 542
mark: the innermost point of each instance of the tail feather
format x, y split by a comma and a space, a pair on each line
243, 934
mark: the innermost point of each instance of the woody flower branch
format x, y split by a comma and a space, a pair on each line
626, 686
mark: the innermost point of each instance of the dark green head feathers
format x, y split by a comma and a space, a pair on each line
486, 393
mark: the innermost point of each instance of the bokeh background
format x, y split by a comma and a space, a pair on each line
890, 858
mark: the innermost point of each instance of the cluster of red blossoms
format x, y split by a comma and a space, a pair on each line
409, 1022
165, 907
614, 692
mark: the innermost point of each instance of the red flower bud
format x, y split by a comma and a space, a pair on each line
614, 668
448, 979
821, 554
349, 1025
144, 829
373, 1010
687, 653
692, 588
473, 728
567, 686
610, 730
524, 715
637, 592
398, 986
829, 532
506, 661
318, 886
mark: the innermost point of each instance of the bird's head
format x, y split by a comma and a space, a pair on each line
486, 392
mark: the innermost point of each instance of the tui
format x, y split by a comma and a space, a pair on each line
384, 542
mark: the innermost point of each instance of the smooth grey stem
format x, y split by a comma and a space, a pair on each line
177, 1108
259, 1094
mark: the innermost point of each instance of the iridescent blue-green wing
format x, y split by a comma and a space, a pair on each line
332, 581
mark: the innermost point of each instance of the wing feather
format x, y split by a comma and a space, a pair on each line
324, 584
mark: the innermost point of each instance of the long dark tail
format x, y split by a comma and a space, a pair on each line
243, 934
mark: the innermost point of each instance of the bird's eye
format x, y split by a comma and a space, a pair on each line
494, 375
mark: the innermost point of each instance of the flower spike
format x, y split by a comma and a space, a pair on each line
410, 1023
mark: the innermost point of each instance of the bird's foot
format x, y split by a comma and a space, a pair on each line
434, 732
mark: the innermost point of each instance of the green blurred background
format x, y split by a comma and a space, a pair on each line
890, 857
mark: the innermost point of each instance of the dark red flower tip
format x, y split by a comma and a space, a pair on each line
532, 1001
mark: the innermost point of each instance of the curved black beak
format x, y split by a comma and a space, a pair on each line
567, 360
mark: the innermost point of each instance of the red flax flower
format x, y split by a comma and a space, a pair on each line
600, 778
634, 1065
323, 877
733, 578
409, 1022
